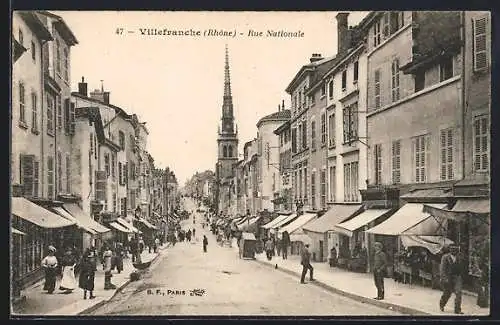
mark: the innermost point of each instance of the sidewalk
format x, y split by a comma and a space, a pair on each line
39, 302
404, 298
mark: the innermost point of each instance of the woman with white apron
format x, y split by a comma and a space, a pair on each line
68, 281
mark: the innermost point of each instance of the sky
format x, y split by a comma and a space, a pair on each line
175, 83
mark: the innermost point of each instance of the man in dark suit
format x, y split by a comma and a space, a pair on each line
306, 264
379, 268
451, 271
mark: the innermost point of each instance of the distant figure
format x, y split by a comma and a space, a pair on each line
379, 267
194, 232
68, 281
269, 249
88, 268
49, 263
305, 260
107, 258
452, 271
188, 235
205, 243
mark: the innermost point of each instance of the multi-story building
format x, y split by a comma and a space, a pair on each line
268, 158
250, 184
283, 193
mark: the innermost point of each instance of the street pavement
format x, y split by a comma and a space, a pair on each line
228, 286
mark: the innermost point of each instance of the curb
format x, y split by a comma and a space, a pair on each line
378, 303
117, 290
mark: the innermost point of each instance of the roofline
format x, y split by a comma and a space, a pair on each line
298, 76
63, 29
38, 28
119, 110
282, 127
347, 57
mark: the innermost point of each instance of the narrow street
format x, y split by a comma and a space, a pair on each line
232, 286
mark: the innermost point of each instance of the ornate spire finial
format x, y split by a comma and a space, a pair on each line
227, 79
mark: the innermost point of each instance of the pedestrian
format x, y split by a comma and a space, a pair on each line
141, 245
188, 235
119, 254
88, 268
278, 247
134, 248
157, 244
305, 260
269, 249
68, 281
194, 232
205, 243
284, 248
379, 269
107, 256
49, 263
451, 272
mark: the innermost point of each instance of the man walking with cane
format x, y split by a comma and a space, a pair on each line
306, 264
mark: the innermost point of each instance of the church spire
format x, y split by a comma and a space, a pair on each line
227, 103
227, 79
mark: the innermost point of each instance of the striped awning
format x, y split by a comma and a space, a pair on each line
65, 214
34, 213
119, 227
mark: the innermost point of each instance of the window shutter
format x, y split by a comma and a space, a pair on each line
36, 177
72, 119
125, 173
427, 166
413, 159
443, 154
100, 187
449, 161
304, 135
480, 43
67, 117
484, 144
27, 174
345, 124
355, 121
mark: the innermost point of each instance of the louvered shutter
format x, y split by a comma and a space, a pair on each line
36, 177
484, 144
100, 187
480, 26
443, 154
67, 117
125, 173
27, 174
345, 124
72, 122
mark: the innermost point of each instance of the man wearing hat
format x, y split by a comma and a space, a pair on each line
379, 268
306, 264
451, 271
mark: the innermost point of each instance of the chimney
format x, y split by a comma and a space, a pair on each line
97, 94
279, 108
343, 32
283, 104
82, 88
105, 96
315, 57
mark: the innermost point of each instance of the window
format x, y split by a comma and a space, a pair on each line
385, 25
312, 99
50, 115
481, 144
120, 173
419, 81
96, 147
313, 190
304, 134
378, 163
480, 49
323, 188
376, 34
66, 65
333, 183
59, 172
224, 151
132, 143
50, 177
114, 203
377, 88
323, 90
330, 89
91, 173
91, 143
350, 123
356, 72
446, 69
121, 139
344, 79
21, 37
22, 109
33, 50
58, 57
395, 80
331, 130
313, 135
230, 151
396, 162
68, 173
106, 164
34, 113
421, 157
396, 21
323, 128
351, 182
294, 140
113, 166
300, 99
29, 175
67, 116
305, 198
59, 112
446, 154
304, 97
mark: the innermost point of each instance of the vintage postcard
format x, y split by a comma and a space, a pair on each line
250, 163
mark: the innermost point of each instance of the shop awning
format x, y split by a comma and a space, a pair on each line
285, 221
273, 222
128, 225
119, 227
65, 214
479, 206
146, 223
428, 193
297, 223
248, 236
84, 219
348, 227
300, 237
250, 225
33, 213
433, 243
410, 219
17, 232
335, 215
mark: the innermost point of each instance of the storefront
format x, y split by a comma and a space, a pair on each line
295, 227
42, 228
101, 234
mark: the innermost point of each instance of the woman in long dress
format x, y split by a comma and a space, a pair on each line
68, 281
49, 263
88, 267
